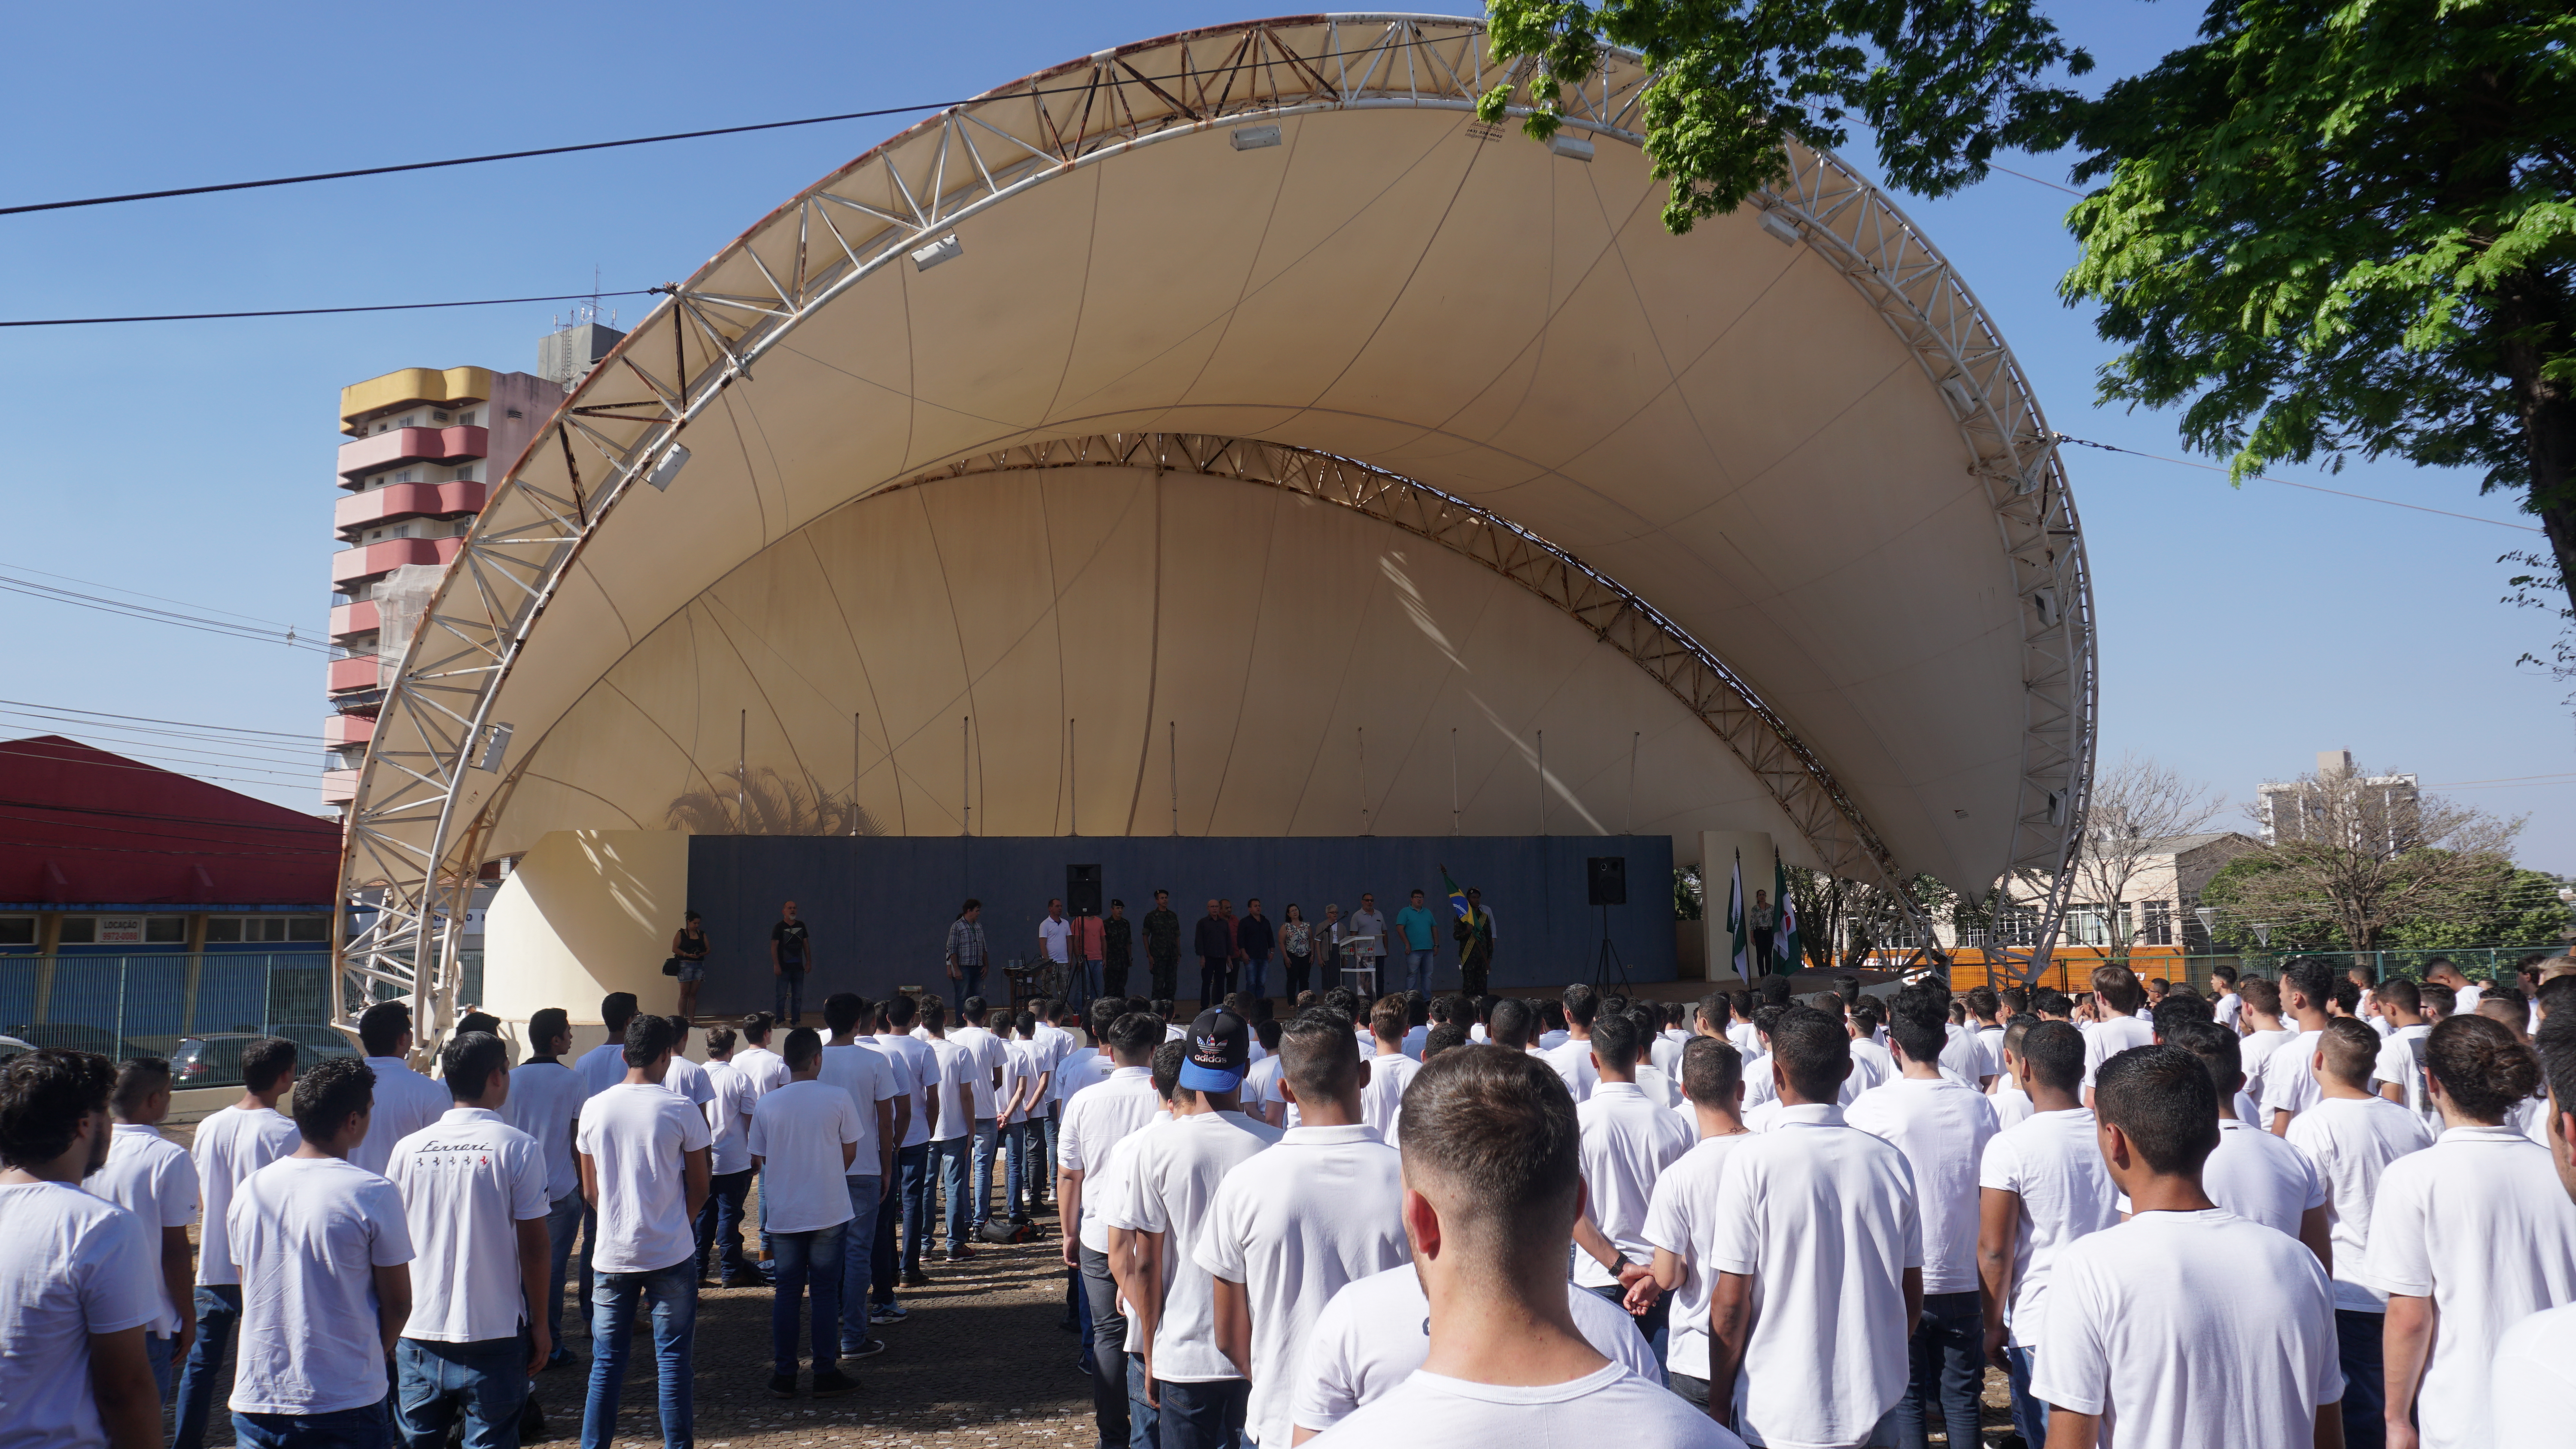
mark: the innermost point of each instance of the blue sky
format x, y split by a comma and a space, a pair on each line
2242, 630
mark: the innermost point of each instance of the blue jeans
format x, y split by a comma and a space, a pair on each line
1654, 1325
1085, 983
790, 995
218, 1314
563, 1220
365, 1427
1045, 1185
1019, 1179
1203, 1416
890, 1258
720, 1225
1256, 976
969, 982
858, 1258
487, 1382
1417, 971
162, 1353
1144, 1421
2365, 1391
987, 1147
2030, 1416
673, 1294
1948, 1353
920, 1186
953, 1156
813, 1256
589, 1245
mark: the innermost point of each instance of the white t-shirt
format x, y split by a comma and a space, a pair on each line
1573, 1062
1054, 932
2478, 1223
1627, 1143
1681, 1219
2288, 1083
600, 1068
1549, 1041
1382, 1099
231, 1145
2534, 1397
405, 1102
869, 1078
2012, 1105
729, 1119
1087, 1067
544, 1099
1021, 1065
636, 1135
1094, 1121
1377, 1331
1822, 1216
1942, 1127
1430, 1411
1108, 1183
1872, 1064
987, 1051
2401, 1061
1322, 1208
766, 1069
2054, 1164
1963, 1058
1661, 1090
688, 1080
308, 1234
1176, 1175
151, 1177
2466, 1000
1746, 1041
2108, 1040
2255, 1050
1990, 1050
798, 1132
956, 1069
66, 1272
920, 1074
2225, 1007
2190, 1329
1261, 1083
2350, 1142
2259, 1177
1414, 1040
467, 1181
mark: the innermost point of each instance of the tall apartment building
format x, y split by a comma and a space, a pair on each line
424, 446
2341, 805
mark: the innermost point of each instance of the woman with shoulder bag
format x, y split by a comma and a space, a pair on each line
1296, 945
688, 961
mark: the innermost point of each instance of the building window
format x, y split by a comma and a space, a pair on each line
17, 930
465, 474
308, 928
2156, 928
165, 930
437, 416
467, 419
223, 930
79, 931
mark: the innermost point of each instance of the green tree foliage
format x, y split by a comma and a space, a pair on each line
2250, 877
2523, 910
2337, 228
1941, 83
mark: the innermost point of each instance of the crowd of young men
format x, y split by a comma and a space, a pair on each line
2292, 1214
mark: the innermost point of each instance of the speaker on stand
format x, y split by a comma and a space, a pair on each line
1605, 879
1081, 890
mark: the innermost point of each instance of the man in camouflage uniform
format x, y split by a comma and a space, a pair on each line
1162, 945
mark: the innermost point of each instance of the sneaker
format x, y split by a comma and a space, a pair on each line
561, 1358
869, 1349
782, 1386
916, 1279
830, 1382
888, 1313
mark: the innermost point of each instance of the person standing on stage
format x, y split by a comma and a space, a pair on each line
1162, 946
1055, 941
689, 948
1420, 938
1475, 936
1296, 951
1367, 922
1254, 940
791, 955
1214, 943
1090, 946
1117, 949
1762, 921
967, 953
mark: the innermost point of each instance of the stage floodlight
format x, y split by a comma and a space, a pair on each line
1253, 138
1782, 229
1570, 146
1961, 392
667, 467
2045, 601
496, 743
945, 249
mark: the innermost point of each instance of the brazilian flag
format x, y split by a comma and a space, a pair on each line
1457, 894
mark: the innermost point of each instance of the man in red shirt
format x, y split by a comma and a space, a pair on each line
1089, 948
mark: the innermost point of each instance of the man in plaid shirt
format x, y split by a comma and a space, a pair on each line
966, 958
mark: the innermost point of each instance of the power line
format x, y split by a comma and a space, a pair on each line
2294, 483
138, 593
204, 624
274, 751
147, 719
317, 823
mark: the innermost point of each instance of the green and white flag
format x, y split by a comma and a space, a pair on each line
1735, 923
1784, 936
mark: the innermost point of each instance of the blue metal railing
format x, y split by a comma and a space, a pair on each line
125, 1005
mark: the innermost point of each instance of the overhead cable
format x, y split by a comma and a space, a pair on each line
2294, 483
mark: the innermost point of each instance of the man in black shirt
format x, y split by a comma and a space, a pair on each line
791, 955
1117, 937
1162, 944
1215, 946
1255, 940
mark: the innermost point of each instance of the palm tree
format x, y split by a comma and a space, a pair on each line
764, 802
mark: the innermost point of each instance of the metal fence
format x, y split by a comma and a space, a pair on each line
2070, 969
125, 1006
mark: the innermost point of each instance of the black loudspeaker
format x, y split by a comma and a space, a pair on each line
1607, 877
1082, 890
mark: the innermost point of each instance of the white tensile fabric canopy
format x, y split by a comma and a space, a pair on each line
1229, 435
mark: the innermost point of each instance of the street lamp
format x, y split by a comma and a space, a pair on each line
2208, 924
2263, 933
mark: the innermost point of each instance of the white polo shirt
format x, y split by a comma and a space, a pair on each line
2108, 1040
868, 1078
1942, 1127
66, 1272
1572, 1060
1822, 1216
1382, 1099
1094, 1121
308, 1234
545, 1098
636, 1135
986, 1051
729, 1119
1176, 1175
766, 1069
2053, 1163
231, 1145
467, 1181
1434, 1410
920, 1072
1052, 932
2288, 1083
2479, 1223
1377, 1331
2534, 1398
2401, 1062
2350, 1142
1627, 1142
1681, 1219
2185, 1329
1322, 1208
151, 1177
2259, 1177
405, 1102
600, 1068
798, 1132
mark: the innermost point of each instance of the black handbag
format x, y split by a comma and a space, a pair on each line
671, 967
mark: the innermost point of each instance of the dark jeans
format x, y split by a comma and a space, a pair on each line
486, 1383
2365, 1391
161, 1351
1654, 1323
858, 1257
1203, 1416
1216, 978
1949, 1369
1108, 1349
1144, 1421
1297, 971
673, 1294
563, 1223
1113, 976
955, 1156
1695, 1391
812, 1257
969, 982
790, 994
918, 1191
1019, 1175
896, 1215
360, 1428
720, 1224
2030, 1415
1256, 976
218, 1314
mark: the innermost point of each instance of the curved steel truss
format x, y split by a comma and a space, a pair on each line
438, 768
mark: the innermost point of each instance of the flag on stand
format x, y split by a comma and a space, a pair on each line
1784, 936
1735, 922
1457, 894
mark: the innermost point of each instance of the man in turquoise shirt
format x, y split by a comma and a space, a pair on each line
1420, 933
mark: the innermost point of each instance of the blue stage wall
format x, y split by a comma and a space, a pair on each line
880, 907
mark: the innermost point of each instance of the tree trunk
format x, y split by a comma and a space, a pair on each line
2537, 324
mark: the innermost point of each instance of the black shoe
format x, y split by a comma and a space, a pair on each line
782, 1386
869, 1349
829, 1382
561, 1358
916, 1279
